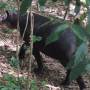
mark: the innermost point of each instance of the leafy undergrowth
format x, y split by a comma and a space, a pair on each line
9, 82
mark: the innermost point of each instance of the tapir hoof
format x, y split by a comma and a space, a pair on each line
39, 71
65, 83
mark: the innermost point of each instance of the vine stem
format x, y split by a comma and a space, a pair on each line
17, 46
31, 48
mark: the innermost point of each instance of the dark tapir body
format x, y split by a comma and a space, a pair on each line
62, 49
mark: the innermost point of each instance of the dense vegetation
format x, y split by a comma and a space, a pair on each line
80, 63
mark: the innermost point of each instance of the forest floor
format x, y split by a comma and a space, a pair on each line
54, 72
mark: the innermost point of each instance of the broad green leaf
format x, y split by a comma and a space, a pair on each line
56, 34
88, 13
88, 67
88, 30
77, 70
25, 5
83, 16
67, 2
2, 5
4, 88
36, 38
88, 2
81, 68
81, 52
42, 2
79, 32
80, 62
88, 25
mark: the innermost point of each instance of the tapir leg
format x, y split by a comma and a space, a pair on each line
79, 80
66, 81
81, 83
21, 55
38, 58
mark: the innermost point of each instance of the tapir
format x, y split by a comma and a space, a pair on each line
62, 49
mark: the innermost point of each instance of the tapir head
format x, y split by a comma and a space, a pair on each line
10, 19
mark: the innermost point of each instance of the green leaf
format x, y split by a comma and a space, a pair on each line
9, 78
80, 62
88, 67
4, 88
36, 38
79, 32
77, 70
34, 85
83, 16
67, 2
88, 30
2, 5
42, 2
81, 52
14, 62
25, 5
81, 68
56, 34
88, 2
88, 17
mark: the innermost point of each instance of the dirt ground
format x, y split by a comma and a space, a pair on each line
54, 72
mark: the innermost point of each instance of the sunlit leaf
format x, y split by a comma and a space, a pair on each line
56, 34
79, 32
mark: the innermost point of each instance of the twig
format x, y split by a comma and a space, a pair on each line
17, 48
